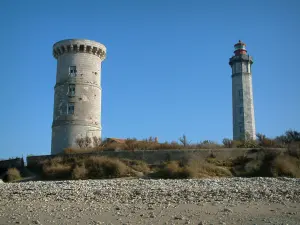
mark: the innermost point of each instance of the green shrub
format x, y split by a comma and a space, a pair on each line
13, 174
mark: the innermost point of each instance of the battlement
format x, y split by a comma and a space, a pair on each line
78, 46
240, 58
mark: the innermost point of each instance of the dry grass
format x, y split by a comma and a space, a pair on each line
172, 170
94, 167
57, 171
137, 165
193, 169
294, 149
104, 167
79, 172
13, 174
203, 169
286, 166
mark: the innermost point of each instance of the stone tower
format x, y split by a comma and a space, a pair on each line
77, 95
242, 93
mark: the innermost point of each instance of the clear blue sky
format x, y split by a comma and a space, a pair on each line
166, 71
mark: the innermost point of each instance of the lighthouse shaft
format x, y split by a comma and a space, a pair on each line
242, 94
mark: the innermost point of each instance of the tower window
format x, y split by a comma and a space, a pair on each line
71, 108
241, 129
241, 94
72, 71
241, 110
72, 89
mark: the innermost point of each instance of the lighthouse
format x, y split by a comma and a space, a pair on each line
242, 93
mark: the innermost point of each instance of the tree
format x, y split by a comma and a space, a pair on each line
184, 140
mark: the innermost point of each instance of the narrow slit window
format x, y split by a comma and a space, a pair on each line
72, 71
71, 108
241, 93
241, 110
241, 129
72, 89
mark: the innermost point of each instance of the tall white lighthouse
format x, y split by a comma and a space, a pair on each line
242, 93
77, 95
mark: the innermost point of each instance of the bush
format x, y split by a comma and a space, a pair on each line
79, 172
294, 149
173, 170
207, 144
56, 171
287, 166
139, 166
202, 169
104, 167
228, 143
13, 174
193, 169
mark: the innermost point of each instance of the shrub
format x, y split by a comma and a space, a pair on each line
219, 162
207, 144
286, 166
265, 142
79, 172
104, 167
139, 166
228, 143
57, 171
13, 174
294, 149
247, 144
114, 147
194, 169
202, 169
172, 170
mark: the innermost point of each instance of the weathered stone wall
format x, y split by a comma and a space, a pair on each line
156, 157
86, 56
242, 97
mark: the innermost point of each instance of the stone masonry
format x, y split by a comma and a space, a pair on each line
242, 94
77, 97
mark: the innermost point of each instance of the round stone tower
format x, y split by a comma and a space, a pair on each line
242, 93
77, 95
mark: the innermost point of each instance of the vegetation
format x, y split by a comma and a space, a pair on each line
269, 157
193, 169
93, 167
12, 174
87, 144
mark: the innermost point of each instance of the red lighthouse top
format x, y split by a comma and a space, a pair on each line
240, 48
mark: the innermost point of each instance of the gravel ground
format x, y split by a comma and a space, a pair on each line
142, 201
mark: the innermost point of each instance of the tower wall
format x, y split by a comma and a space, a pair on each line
242, 97
77, 97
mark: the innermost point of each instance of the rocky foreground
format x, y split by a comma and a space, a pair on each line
140, 201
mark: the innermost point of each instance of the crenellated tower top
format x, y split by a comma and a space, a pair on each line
79, 46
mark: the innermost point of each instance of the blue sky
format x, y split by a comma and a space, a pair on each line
166, 71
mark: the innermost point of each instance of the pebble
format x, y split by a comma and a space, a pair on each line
123, 193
